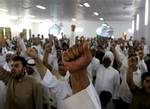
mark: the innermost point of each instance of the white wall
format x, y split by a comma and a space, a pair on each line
88, 26
144, 30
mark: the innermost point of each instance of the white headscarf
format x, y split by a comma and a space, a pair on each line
109, 55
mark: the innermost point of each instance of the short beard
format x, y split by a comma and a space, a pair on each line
17, 76
106, 66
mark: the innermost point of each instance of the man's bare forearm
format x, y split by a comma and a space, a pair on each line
45, 61
40, 67
130, 79
79, 81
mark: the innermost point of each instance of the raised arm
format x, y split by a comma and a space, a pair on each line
48, 49
39, 63
76, 59
131, 67
4, 75
114, 51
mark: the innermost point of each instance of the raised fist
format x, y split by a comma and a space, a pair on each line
48, 47
132, 61
77, 57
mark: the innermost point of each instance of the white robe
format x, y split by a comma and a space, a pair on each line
124, 91
93, 67
88, 96
107, 79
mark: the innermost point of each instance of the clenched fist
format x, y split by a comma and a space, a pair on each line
132, 61
77, 57
48, 47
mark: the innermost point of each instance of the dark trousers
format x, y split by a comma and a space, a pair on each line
120, 104
45, 107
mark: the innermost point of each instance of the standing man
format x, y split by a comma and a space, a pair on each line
23, 92
141, 96
72, 38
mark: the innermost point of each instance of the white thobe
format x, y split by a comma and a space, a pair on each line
124, 91
146, 50
93, 67
72, 39
107, 79
88, 96
142, 66
85, 99
52, 60
2, 60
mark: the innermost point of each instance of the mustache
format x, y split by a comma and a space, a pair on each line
15, 75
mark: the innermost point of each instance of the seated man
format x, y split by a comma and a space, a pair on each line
141, 96
23, 92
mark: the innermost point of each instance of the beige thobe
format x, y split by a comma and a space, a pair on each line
24, 93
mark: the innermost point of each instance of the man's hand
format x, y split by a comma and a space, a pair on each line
48, 47
77, 57
132, 62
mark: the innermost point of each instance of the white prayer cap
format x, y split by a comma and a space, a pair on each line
31, 62
34, 47
10, 52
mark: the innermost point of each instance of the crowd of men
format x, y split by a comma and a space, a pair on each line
75, 73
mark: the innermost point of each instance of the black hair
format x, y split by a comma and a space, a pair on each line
146, 74
59, 59
105, 97
22, 59
65, 45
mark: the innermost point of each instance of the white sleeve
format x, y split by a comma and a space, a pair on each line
116, 86
22, 46
55, 85
85, 99
123, 70
143, 67
120, 55
95, 69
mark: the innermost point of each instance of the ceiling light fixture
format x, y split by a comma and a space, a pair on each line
133, 24
146, 11
86, 5
41, 7
3, 10
80, 5
137, 21
101, 19
74, 19
96, 13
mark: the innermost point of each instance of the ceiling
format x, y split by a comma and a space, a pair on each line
110, 10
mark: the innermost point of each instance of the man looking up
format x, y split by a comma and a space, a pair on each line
23, 92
